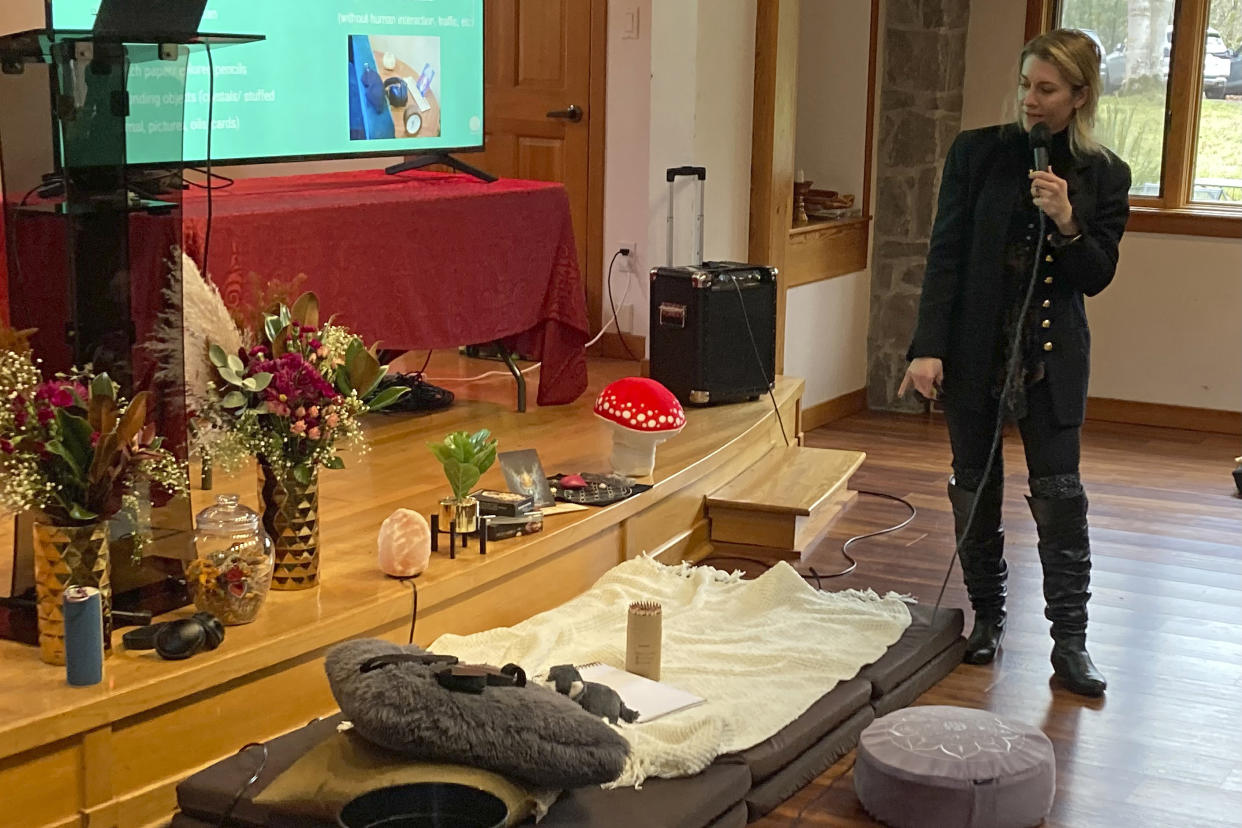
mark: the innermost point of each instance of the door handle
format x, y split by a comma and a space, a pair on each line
572, 114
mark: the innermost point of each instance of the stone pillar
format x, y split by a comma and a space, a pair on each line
920, 114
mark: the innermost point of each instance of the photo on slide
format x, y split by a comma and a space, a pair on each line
394, 87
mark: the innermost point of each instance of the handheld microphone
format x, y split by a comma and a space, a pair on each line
1040, 137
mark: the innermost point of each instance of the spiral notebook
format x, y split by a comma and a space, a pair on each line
652, 699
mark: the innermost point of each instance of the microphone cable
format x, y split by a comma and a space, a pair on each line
1011, 373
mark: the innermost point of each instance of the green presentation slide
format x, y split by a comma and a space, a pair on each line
332, 78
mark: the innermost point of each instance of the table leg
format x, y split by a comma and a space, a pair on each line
517, 374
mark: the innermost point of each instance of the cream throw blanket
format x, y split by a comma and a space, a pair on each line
760, 651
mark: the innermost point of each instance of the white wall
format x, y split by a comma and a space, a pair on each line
833, 47
700, 68
1168, 330
993, 41
826, 336
826, 322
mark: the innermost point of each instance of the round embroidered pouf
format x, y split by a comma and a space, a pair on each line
954, 767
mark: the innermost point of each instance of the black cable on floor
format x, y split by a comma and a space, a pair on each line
414, 608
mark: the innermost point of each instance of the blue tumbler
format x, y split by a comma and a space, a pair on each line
84, 649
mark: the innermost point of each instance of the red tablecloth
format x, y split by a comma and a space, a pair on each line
419, 260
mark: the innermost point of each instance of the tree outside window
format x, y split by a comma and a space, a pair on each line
1178, 126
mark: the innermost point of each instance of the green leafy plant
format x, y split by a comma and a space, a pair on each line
465, 457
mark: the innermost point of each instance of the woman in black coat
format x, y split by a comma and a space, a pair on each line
980, 263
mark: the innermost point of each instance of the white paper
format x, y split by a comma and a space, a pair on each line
652, 699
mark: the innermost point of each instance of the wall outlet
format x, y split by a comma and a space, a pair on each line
625, 264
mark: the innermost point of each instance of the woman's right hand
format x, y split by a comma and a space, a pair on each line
924, 375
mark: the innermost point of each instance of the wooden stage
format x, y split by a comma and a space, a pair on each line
111, 755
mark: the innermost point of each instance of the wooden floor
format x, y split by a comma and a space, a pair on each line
1164, 747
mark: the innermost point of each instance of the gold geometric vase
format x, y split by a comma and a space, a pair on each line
69, 556
291, 518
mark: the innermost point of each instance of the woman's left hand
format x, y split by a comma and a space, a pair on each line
1050, 194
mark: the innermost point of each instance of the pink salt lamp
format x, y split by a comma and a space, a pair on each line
404, 544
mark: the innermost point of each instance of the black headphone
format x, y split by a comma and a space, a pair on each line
397, 92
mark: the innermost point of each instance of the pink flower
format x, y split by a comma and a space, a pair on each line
299, 412
316, 345
7, 447
321, 352
45, 415
298, 428
314, 411
314, 433
332, 421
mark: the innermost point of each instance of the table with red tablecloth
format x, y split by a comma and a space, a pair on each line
418, 260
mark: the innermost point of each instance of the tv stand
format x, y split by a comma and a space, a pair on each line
427, 159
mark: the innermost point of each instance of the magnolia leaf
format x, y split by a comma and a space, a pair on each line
386, 398
334, 462
75, 436
236, 364
280, 344
341, 380
62, 451
134, 418
102, 412
101, 386
259, 381
305, 310
217, 355
461, 477
272, 327
77, 512
364, 371
105, 453
233, 399
302, 474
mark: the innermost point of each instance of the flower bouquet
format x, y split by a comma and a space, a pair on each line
293, 399
77, 455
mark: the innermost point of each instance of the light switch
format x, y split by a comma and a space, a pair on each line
632, 26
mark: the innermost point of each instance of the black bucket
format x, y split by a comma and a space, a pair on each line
425, 805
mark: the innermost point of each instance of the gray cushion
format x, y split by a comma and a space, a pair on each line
530, 734
688, 802
918, 645
735, 817
943, 663
781, 785
954, 767
834, 707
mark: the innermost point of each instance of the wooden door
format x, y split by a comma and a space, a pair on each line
539, 60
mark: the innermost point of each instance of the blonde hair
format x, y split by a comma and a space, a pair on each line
1077, 58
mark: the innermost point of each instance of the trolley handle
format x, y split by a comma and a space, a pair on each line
677, 172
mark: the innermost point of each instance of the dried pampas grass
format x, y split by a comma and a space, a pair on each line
195, 318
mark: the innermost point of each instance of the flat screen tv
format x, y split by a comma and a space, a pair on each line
332, 79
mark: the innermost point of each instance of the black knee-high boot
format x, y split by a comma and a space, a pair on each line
1065, 554
982, 554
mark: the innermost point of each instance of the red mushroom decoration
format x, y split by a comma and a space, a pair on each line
643, 413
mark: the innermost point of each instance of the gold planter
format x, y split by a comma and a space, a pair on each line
462, 515
65, 556
291, 518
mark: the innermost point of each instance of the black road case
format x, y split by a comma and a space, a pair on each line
713, 324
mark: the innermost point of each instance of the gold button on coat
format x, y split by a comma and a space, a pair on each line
1047, 346
1047, 280
1048, 258
1046, 324
1047, 303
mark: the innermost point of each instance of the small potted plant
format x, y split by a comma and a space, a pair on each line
465, 457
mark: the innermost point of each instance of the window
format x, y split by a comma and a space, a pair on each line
1170, 106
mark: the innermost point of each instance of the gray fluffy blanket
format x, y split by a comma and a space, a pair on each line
531, 733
